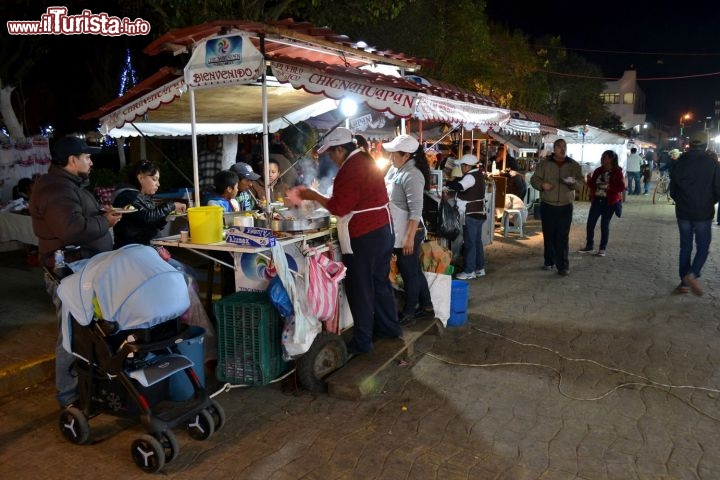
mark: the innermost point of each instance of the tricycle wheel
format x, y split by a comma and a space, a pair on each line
327, 354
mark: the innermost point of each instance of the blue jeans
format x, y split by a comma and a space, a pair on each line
66, 383
417, 292
634, 177
599, 208
473, 252
701, 231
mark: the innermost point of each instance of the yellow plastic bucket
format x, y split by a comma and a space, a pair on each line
206, 224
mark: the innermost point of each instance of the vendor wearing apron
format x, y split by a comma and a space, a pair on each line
360, 202
406, 182
471, 202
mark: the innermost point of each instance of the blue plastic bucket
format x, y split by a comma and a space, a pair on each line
457, 319
180, 387
459, 296
458, 303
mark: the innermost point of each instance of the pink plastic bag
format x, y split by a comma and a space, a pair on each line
324, 276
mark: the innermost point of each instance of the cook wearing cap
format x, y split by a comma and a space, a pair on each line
360, 202
245, 198
406, 184
471, 203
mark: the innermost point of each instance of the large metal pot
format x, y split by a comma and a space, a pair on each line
298, 225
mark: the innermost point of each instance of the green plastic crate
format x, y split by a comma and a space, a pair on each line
249, 333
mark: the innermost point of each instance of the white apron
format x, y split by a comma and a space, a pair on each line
344, 222
399, 221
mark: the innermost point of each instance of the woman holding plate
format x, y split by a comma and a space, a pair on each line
143, 224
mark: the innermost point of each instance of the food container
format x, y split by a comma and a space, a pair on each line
245, 220
206, 224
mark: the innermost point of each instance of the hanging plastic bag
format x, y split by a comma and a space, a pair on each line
324, 276
448, 220
279, 297
302, 327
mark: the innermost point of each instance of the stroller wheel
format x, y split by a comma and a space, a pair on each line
202, 426
169, 442
74, 425
217, 413
148, 453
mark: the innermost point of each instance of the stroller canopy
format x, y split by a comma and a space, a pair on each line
133, 287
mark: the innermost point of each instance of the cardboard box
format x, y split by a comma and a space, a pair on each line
250, 237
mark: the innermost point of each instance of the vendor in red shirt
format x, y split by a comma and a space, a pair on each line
360, 201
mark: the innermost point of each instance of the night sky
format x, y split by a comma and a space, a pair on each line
661, 40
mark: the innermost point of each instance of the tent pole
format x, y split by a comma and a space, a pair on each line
193, 133
266, 140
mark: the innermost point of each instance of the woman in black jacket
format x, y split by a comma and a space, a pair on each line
144, 224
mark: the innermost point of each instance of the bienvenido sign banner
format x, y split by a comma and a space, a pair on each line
382, 98
227, 60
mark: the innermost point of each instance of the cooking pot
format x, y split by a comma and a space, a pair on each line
297, 225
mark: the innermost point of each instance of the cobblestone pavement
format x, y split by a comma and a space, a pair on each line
552, 378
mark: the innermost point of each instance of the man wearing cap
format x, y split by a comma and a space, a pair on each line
245, 198
65, 213
471, 203
695, 187
557, 177
360, 201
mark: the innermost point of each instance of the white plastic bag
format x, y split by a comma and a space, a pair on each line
302, 328
440, 293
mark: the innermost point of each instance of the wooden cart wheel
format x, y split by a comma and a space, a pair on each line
327, 354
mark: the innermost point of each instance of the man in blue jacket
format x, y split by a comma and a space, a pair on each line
695, 187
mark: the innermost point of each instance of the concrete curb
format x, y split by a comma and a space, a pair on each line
21, 375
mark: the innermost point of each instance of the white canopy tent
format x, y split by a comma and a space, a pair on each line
225, 89
586, 144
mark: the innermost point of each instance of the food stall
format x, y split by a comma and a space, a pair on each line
225, 89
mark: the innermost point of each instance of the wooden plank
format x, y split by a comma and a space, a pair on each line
357, 378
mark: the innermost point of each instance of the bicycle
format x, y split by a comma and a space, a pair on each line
662, 189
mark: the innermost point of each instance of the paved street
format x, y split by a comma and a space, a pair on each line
604, 374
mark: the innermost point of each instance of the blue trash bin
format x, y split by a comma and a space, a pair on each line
180, 387
458, 303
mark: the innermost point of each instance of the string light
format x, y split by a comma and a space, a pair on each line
624, 52
128, 76
645, 79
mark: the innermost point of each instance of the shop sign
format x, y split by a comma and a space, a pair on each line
153, 100
378, 97
227, 60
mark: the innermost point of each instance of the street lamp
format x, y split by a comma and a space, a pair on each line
683, 118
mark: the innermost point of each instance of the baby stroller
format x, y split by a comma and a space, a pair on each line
120, 319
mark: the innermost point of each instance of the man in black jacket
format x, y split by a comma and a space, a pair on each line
65, 213
695, 187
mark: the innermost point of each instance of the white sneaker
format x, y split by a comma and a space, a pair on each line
600, 253
466, 276
480, 273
